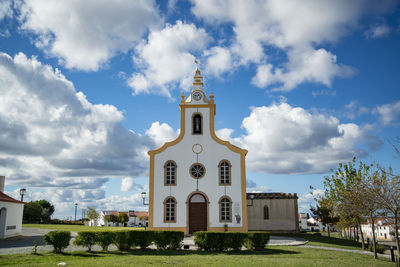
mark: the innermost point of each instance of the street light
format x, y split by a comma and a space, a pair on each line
251, 198
22, 193
76, 206
144, 198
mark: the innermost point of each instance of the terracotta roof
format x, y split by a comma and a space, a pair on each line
6, 198
276, 195
141, 213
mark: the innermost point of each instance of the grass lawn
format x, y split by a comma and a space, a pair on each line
273, 256
77, 228
316, 239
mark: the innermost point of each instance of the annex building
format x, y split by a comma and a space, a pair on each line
198, 181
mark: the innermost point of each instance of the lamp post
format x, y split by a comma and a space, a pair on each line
251, 198
76, 206
22, 193
144, 198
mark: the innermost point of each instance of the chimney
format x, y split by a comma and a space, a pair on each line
2, 179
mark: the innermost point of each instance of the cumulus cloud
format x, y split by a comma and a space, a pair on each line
378, 31
52, 136
166, 59
289, 27
388, 113
219, 60
126, 184
161, 133
5, 9
253, 187
307, 200
86, 34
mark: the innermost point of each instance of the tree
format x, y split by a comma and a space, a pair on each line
92, 214
387, 191
47, 209
38, 211
324, 212
32, 212
123, 218
111, 218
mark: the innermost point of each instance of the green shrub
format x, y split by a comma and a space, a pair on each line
104, 239
219, 241
142, 239
85, 239
168, 239
379, 248
121, 239
257, 240
58, 239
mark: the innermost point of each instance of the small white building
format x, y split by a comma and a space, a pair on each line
384, 229
136, 218
11, 211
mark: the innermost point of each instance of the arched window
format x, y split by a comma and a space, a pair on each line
170, 210
197, 124
170, 173
225, 209
266, 213
224, 172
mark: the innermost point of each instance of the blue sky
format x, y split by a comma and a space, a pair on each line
88, 87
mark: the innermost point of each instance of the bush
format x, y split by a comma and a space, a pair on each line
219, 241
143, 239
168, 239
104, 239
85, 239
379, 248
121, 239
257, 240
58, 239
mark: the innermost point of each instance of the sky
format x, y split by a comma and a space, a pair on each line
88, 87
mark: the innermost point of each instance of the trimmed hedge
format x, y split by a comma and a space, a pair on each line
168, 239
85, 239
222, 241
122, 239
142, 239
104, 239
58, 239
257, 240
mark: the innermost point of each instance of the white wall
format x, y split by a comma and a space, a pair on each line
14, 213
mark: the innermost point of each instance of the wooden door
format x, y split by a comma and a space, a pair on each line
197, 214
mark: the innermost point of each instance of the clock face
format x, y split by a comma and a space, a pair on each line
197, 95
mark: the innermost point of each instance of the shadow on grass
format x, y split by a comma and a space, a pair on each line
150, 252
316, 237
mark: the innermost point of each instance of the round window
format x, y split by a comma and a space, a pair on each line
197, 170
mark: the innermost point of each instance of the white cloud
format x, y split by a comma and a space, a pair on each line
307, 200
52, 136
378, 31
167, 58
86, 34
290, 27
161, 133
252, 187
5, 9
388, 113
290, 140
306, 65
126, 184
219, 60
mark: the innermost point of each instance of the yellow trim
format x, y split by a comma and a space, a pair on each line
151, 190
230, 229
172, 228
244, 198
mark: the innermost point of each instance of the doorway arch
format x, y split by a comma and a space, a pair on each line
3, 216
197, 212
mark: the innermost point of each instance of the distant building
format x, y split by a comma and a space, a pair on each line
273, 212
313, 224
136, 218
384, 229
11, 211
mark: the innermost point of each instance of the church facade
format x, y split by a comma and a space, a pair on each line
198, 181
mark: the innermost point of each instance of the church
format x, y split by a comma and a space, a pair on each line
198, 182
